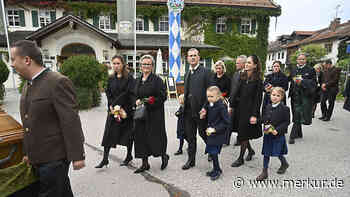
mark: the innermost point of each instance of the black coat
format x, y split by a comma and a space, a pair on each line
202, 80
278, 117
317, 97
150, 135
346, 94
224, 84
302, 95
331, 78
234, 100
276, 80
218, 118
249, 105
119, 92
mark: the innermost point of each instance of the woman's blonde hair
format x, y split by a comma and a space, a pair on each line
280, 91
220, 63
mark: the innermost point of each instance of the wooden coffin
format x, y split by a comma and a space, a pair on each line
11, 136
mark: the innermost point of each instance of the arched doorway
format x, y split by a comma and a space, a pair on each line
75, 49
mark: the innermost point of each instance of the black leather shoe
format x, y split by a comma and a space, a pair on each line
236, 143
142, 168
179, 152
326, 119
321, 118
249, 156
291, 141
215, 175
126, 161
188, 165
237, 163
102, 163
209, 173
283, 168
165, 160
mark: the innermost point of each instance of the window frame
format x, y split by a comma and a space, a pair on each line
106, 22
140, 19
45, 17
329, 47
163, 22
221, 24
245, 25
13, 15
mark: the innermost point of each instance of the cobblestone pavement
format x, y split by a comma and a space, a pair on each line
319, 163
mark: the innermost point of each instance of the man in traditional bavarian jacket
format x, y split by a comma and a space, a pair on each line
301, 92
330, 89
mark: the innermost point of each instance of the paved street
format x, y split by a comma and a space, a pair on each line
321, 156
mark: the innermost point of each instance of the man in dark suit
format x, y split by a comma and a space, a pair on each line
330, 89
234, 98
197, 80
49, 111
301, 91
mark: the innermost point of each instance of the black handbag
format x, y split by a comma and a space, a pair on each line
140, 112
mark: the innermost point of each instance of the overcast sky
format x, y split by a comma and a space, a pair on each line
307, 15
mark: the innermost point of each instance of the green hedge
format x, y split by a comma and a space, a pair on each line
87, 75
4, 74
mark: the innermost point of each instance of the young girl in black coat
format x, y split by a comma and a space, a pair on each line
276, 119
180, 130
218, 124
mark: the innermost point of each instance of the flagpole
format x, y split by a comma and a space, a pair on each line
134, 58
8, 41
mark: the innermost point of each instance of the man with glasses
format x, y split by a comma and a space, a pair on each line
197, 80
301, 92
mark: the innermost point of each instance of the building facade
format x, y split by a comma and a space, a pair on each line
65, 28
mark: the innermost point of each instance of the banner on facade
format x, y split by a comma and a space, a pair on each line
175, 7
348, 49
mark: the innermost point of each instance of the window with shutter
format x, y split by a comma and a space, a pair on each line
44, 17
35, 20
245, 26
105, 22
140, 23
164, 23
13, 18
221, 25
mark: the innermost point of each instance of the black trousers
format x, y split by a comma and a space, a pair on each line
191, 126
330, 97
53, 179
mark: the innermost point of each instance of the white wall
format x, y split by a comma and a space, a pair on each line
274, 57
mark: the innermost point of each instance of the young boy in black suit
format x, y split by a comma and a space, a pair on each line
180, 130
218, 123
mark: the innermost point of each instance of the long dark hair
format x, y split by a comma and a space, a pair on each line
125, 71
256, 75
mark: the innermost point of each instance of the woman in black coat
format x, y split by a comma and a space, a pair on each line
118, 131
318, 92
221, 80
150, 134
275, 79
346, 94
250, 93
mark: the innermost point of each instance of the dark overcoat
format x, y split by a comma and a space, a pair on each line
278, 117
302, 95
249, 105
278, 79
218, 118
346, 94
224, 84
50, 117
150, 134
234, 100
120, 92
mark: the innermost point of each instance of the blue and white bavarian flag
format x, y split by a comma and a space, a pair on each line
175, 8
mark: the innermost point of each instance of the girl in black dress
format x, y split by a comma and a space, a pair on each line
150, 134
118, 130
250, 93
276, 119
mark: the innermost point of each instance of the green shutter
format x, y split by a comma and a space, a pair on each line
229, 25
113, 21
208, 63
53, 16
237, 23
214, 22
35, 19
95, 20
187, 67
22, 20
156, 24
253, 26
145, 22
